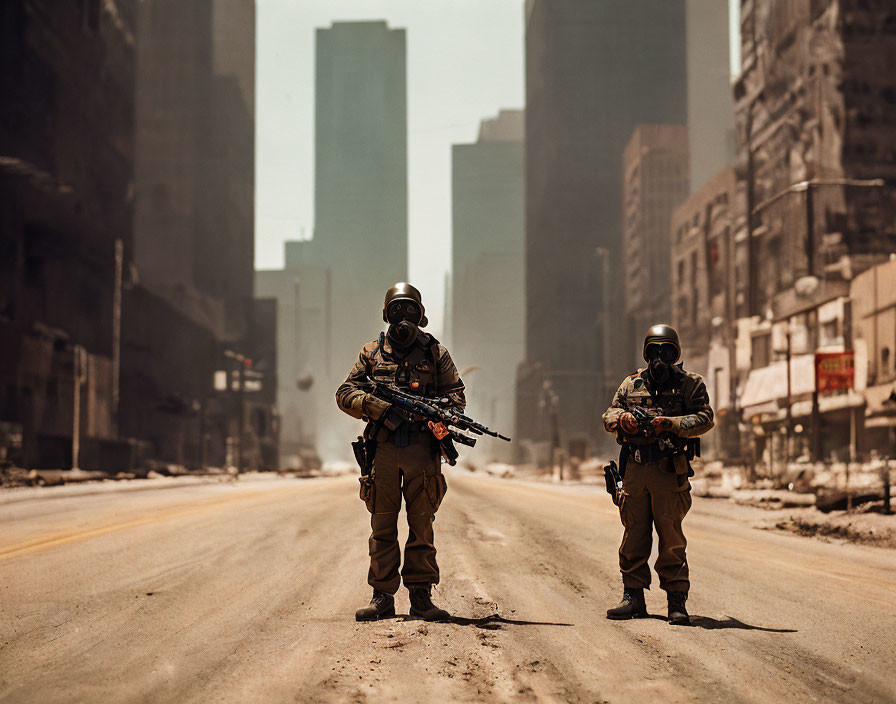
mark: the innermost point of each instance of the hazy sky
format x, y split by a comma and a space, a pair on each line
464, 62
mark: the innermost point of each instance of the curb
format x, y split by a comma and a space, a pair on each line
31, 493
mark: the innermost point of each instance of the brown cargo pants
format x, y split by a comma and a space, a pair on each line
652, 494
415, 473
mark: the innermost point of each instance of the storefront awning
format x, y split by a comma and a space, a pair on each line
770, 383
877, 399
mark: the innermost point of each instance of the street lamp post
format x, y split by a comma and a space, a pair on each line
116, 335
80, 371
241, 362
789, 435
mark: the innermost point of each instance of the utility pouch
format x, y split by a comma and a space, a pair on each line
365, 451
368, 491
364, 447
435, 487
681, 465
360, 448
614, 481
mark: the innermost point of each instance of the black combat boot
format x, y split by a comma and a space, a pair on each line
381, 605
422, 606
631, 606
678, 614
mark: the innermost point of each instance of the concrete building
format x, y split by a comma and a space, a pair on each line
815, 139
303, 396
360, 194
873, 295
710, 105
195, 165
127, 215
488, 288
66, 174
360, 187
194, 241
654, 183
225, 246
815, 171
702, 298
594, 71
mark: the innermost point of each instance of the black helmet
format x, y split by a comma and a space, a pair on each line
662, 334
404, 291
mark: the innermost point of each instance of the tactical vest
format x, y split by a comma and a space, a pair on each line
414, 370
666, 401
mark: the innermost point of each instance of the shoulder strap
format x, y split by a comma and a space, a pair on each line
434, 353
433, 349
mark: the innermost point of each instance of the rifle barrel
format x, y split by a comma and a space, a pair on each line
434, 407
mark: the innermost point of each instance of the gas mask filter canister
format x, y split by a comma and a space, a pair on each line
404, 318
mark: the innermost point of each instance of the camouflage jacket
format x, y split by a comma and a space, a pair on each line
684, 400
425, 368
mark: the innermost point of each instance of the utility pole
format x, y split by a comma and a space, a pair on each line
241, 362
605, 378
79, 366
242, 415
789, 434
116, 333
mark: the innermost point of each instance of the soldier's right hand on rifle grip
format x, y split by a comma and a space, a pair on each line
628, 423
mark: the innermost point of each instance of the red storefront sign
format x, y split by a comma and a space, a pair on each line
834, 370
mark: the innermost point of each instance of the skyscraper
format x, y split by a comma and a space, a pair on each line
710, 105
195, 163
361, 179
304, 398
594, 70
361, 188
194, 233
655, 182
487, 291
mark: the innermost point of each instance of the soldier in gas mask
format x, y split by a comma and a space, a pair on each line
655, 463
407, 459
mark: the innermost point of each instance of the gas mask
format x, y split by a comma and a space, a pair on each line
404, 317
660, 358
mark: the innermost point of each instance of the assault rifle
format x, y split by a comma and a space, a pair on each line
436, 410
644, 418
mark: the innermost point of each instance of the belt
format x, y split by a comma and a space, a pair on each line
410, 433
650, 453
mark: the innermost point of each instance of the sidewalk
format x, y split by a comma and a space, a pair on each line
91, 487
811, 499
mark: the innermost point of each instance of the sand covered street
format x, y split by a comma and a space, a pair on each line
245, 591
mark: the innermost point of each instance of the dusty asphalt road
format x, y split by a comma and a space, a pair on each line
245, 592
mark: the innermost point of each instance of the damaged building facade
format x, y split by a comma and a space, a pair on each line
702, 301
66, 206
487, 291
127, 234
303, 296
655, 180
194, 241
817, 207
